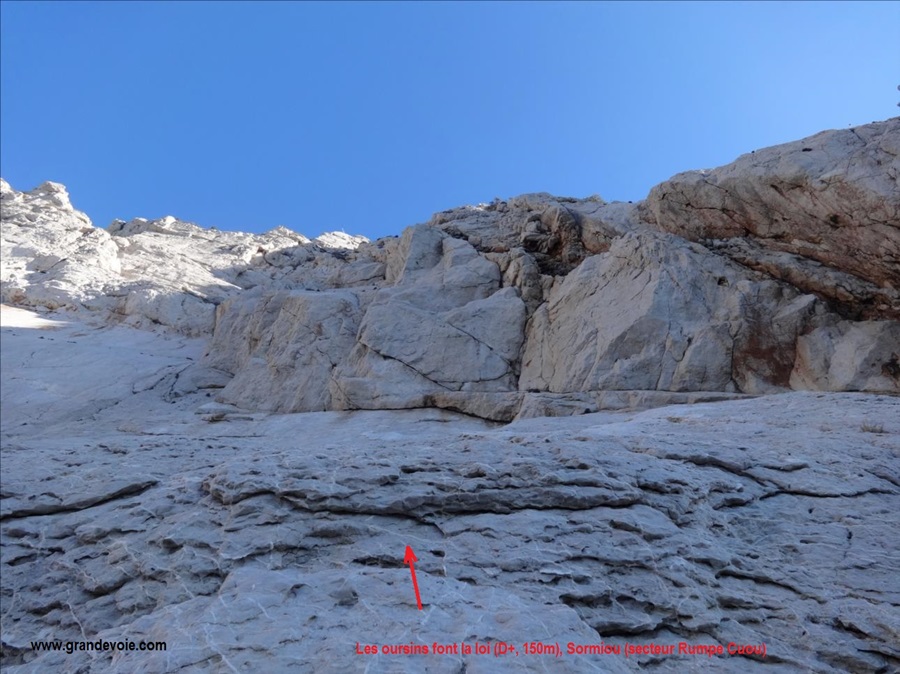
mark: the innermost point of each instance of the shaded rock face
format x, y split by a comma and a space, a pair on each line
833, 198
764, 275
849, 357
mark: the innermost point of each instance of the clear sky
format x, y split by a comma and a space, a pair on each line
369, 117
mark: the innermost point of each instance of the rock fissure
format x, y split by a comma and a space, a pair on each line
76, 505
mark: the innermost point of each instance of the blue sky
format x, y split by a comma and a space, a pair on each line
369, 117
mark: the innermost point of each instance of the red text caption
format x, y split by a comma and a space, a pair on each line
499, 649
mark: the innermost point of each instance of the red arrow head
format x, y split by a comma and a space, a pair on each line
410, 556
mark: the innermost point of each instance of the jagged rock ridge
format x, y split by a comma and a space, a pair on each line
778, 271
147, 273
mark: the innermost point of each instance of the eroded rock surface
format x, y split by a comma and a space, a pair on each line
147, 273
275, 543
148, 493
764, 275
833, 198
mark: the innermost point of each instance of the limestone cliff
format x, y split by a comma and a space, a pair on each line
134, 507
779, 271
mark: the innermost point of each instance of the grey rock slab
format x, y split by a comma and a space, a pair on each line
135, 505
762, 520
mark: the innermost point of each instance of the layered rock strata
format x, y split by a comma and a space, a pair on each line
777, 272
130, 511
147, 493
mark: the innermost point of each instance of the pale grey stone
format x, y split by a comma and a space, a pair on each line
604, 445
847, 356
276, 542
833, 197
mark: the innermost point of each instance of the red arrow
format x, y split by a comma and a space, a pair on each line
409, 558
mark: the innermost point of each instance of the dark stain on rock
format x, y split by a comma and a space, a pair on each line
892, 367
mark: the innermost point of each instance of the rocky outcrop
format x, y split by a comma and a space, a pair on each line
444, 326
276, 542
148, 495
657, 313
769, 274
52, 254
833, 198
614, 305
148, 273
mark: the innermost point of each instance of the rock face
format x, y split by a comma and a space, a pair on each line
627, 320
748, 279
848, 356
299, 338
485, 307
146, 273
445, 325
276, 542
148, 493
832, 198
